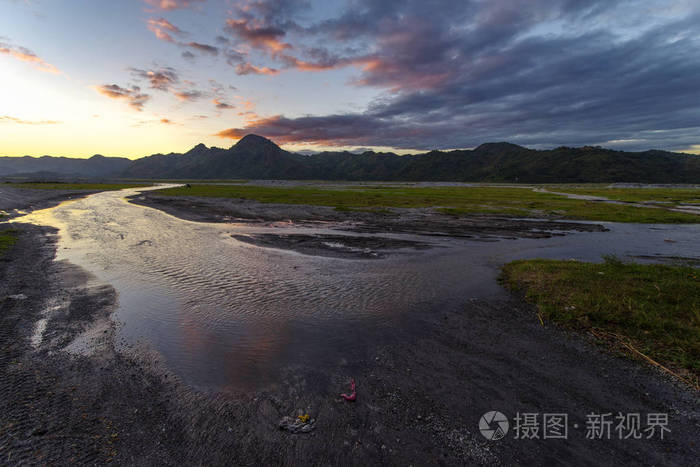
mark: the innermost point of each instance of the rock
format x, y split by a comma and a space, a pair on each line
294, 425
20, 296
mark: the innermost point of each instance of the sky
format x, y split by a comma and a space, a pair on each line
132, 78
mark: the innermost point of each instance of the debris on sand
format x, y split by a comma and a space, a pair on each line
353, 395
299, 424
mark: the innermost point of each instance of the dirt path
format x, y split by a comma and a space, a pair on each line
420, 395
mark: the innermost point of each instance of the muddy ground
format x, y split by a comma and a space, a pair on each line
333, 246
416, 221
419, 396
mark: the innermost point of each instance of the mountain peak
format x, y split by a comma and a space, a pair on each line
502, 145
199, 149
255, 142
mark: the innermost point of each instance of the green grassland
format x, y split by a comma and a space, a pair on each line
673, 196
7, 239
652, 310
76, 186
458, 201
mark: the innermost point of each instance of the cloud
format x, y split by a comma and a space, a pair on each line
234, 57
166, 121
262, 26
133, 96
204, 48
249, 69
162, 79
191, 96
163, 29
26, 55
19, 121
538, 73
166, 79
332, 130
267, 38
187, 55
168, 5
221, 105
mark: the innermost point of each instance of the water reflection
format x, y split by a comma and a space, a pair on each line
226, 315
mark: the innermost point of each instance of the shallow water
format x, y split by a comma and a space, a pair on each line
226, 315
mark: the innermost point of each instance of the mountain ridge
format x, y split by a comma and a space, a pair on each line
256, 157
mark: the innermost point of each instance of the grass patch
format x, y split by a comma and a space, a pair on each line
673, 196
384, 211
7, 239
191, 181
653, 308
77, 186
508, 201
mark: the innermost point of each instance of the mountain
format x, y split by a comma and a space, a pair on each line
255, 157
97, 166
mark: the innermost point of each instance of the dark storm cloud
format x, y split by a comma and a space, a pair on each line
458, 73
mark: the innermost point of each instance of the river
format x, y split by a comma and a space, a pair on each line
225, 315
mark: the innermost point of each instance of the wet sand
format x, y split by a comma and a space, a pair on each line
333, 246
415, 221
420, 394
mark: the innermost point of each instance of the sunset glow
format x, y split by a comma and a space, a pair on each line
138, 77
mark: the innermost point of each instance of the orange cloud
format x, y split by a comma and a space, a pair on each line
19, 121
162, 28
188, 95
249, 69
134, 96
26, 55
233, 133
258, 36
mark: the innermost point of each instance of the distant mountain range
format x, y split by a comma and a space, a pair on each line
255, 157
62, 167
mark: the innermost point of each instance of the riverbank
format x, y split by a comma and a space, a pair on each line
18, 198
510, 201
426, 222
652, 316
421, 390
